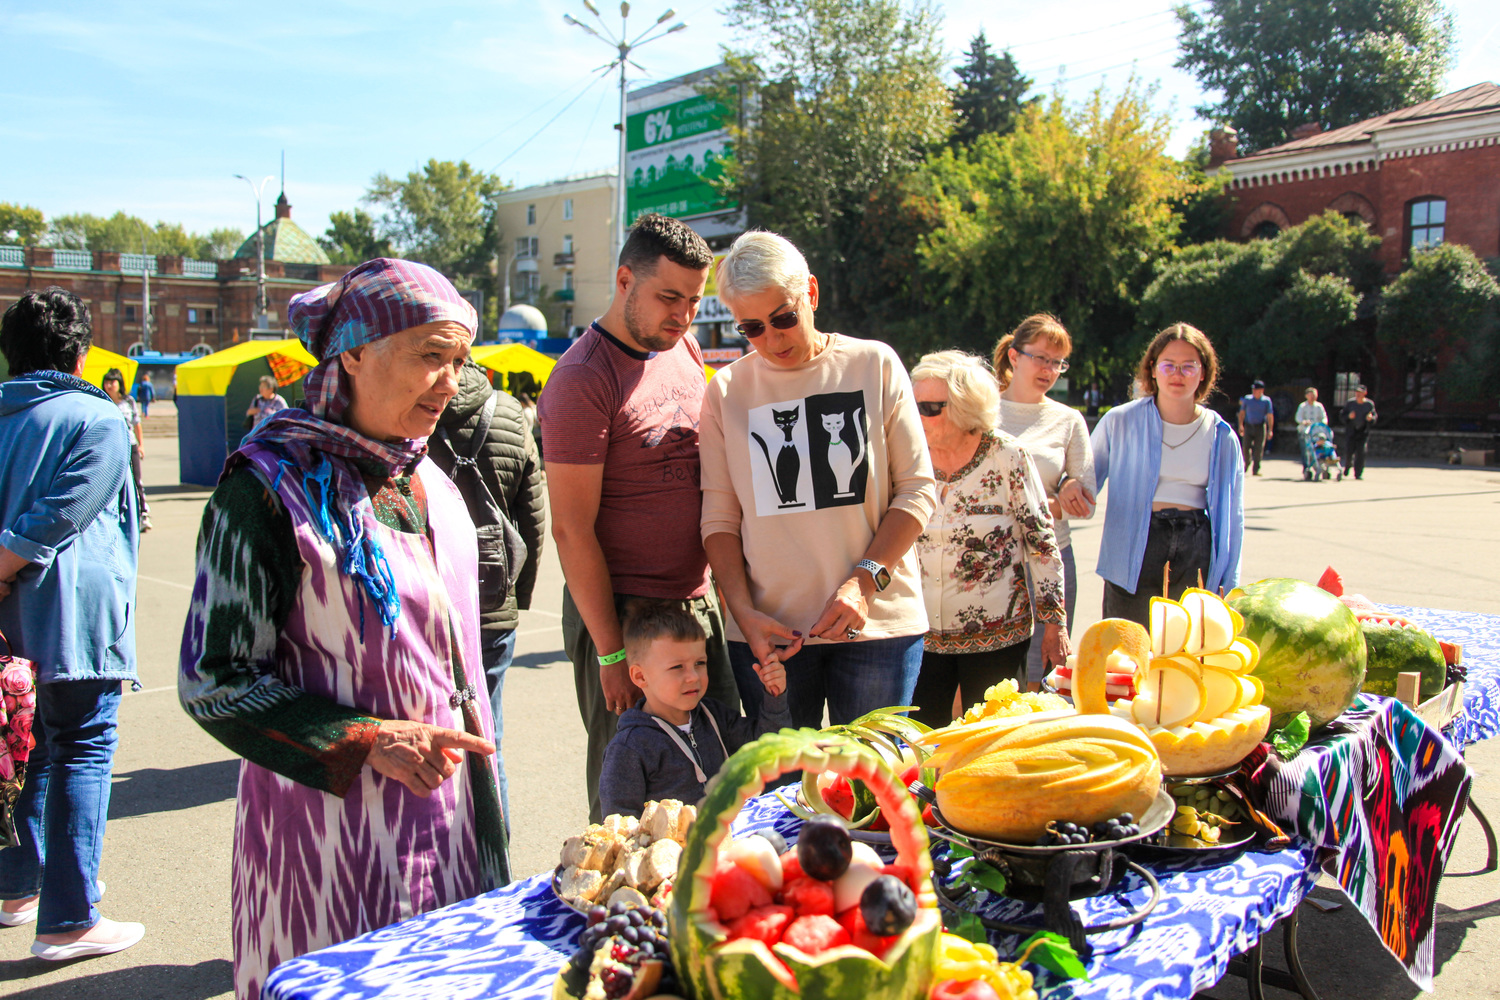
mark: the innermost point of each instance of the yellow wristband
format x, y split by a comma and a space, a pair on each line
605, 661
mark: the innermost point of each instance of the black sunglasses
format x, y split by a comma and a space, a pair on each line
752, 328
931, 409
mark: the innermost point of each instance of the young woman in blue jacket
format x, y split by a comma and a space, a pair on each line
1176, 478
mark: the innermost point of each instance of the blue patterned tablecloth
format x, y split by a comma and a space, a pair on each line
509, 944
1480, 636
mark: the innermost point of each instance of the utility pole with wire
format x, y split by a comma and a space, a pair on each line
624, 47
145, 291
260, 254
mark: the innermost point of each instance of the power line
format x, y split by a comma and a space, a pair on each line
586, 80
599, 75
1130, 62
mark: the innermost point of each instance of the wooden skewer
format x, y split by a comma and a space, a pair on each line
1200, 578
1166, 578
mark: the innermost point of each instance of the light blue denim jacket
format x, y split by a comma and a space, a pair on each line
1131, 436
68, 505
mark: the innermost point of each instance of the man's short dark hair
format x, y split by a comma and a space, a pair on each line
646, 621
46, 330
655, 236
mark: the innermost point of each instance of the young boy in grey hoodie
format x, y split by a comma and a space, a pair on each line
675, 739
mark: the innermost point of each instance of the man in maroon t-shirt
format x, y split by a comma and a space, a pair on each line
619, 420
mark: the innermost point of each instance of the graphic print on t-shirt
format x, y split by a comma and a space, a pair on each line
809, 453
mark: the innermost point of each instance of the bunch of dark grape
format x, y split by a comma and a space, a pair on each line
639, 935
1456, 672
1063, 833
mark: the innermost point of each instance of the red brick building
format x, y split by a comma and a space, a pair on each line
1421, 176
193, 302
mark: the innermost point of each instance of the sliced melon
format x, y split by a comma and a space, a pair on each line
1254, 690
1170, 624
1211, 625
1224, 693
1171, 694
1230, 659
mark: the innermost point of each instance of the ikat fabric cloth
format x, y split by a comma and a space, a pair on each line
1480, 636
1380, 794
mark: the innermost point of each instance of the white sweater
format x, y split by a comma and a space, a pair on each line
1057, 439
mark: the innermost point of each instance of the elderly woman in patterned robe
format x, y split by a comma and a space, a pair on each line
333, 638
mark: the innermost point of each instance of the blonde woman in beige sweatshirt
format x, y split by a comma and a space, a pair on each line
816, 484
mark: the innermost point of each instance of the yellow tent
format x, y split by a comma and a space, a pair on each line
100, 361
210, 375
514, 358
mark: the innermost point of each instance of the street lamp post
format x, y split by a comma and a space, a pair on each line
145, 292
624, 48
260, 254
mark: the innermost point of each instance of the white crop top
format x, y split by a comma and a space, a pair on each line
1185, 452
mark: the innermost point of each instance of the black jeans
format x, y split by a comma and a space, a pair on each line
1183, 538
1354, 451
944, 673
1255, 445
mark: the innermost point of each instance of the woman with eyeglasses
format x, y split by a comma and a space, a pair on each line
816, 483
1028, 362
991, 530
1176, 497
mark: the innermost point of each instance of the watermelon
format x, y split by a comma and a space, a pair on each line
735, 892
808, 896
1312, 651
709, 964
767, 923
1394, 648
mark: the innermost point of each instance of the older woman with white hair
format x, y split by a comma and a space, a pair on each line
816, 483
266, 404
991, 524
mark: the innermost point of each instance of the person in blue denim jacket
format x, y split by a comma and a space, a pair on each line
68, 543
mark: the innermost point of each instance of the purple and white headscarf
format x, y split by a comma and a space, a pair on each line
375, 300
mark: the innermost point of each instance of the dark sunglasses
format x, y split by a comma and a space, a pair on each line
931, 409
752, 328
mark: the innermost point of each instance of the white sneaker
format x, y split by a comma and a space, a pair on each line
104, 938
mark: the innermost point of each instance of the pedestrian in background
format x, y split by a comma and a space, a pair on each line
485, 429
266, 404
1309, 412
619, 420
113, 383
145, 393
1178, 485
1092, 397
1028, 363
979, 612
1257, 424
1359, 414
68, 544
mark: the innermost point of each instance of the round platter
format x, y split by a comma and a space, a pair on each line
557, 891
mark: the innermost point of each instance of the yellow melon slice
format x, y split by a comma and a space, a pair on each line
1249, 650
1170, 625
1210, 622
1171, 694
1230, 659
1224, 693
1253, 690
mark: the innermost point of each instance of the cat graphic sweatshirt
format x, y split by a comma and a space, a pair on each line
802, 464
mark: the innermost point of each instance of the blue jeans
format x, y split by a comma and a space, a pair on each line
497, 650
60, 814
852, 677
1034, 669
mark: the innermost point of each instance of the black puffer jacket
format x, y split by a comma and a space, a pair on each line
511, 470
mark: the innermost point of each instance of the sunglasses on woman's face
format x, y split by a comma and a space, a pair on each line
931, 408
752, 328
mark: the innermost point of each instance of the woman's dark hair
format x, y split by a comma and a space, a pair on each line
117, 376
655, 236
45, 331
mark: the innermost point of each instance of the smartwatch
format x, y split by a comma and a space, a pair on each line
880, 573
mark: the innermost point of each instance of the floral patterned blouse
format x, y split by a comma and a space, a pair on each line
991, 525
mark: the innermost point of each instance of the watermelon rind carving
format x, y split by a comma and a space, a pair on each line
709, 968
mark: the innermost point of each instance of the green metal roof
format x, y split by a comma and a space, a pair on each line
287, 242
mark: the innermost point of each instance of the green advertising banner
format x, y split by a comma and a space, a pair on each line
673, 153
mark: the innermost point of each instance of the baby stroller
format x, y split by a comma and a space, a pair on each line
1320, 460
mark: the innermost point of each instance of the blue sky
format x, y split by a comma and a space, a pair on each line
153, 107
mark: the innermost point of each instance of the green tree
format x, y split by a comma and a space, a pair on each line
848, 94
124, 233
1273, 308
352, 238
444, 215
21, 224
1446, 306
1284, 63
1204, 210
1063, 215
218, 244
990, 93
